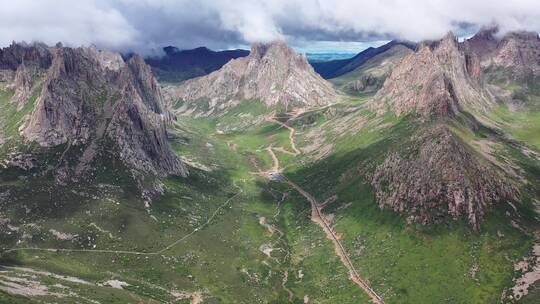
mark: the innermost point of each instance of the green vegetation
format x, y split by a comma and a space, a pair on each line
13, 118
225, 251
223, 260
522, 123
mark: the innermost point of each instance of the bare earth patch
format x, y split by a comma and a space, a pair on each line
530, 269
61, 235
115, 284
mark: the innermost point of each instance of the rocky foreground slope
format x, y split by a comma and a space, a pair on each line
272, 73
93, 103
440, 176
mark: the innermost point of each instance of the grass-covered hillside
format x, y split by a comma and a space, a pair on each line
227, 233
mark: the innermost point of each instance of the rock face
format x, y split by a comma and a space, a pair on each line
518, 53
22, 86
63, 111
438, 79
138, 122
438, 177
272, 73
90, 97
36, 55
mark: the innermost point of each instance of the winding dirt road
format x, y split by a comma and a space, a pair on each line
291, 133
318, 217
275, 159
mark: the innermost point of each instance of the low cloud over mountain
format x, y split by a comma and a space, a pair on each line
144, 25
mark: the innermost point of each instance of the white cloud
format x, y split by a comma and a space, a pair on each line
72, 22
150, 24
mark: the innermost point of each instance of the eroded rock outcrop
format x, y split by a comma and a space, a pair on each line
90, 97
138, 122
20, 63
22, 86
438, 176
272, 73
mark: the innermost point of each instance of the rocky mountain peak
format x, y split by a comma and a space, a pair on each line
258, 49
523, 36
20, 63
515, 53
137, 64
272, 73
450, 37
484, 43
278, 53
488, 33
449, 41
90, 95
274, 48
56, 118
108, 60
438, 79
139, 73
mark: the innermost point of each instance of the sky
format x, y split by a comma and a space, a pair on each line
145, 26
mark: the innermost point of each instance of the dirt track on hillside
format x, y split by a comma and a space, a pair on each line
317, 215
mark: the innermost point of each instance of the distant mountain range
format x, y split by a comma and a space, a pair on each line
316, 57
178, 65
336, 68
369, 76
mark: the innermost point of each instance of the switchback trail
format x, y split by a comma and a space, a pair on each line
291, 133
318, 217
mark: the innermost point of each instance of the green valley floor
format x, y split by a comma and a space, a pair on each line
274, 211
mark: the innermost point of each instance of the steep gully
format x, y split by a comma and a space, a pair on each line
317, 215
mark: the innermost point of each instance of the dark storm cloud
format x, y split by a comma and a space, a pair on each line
145, 25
